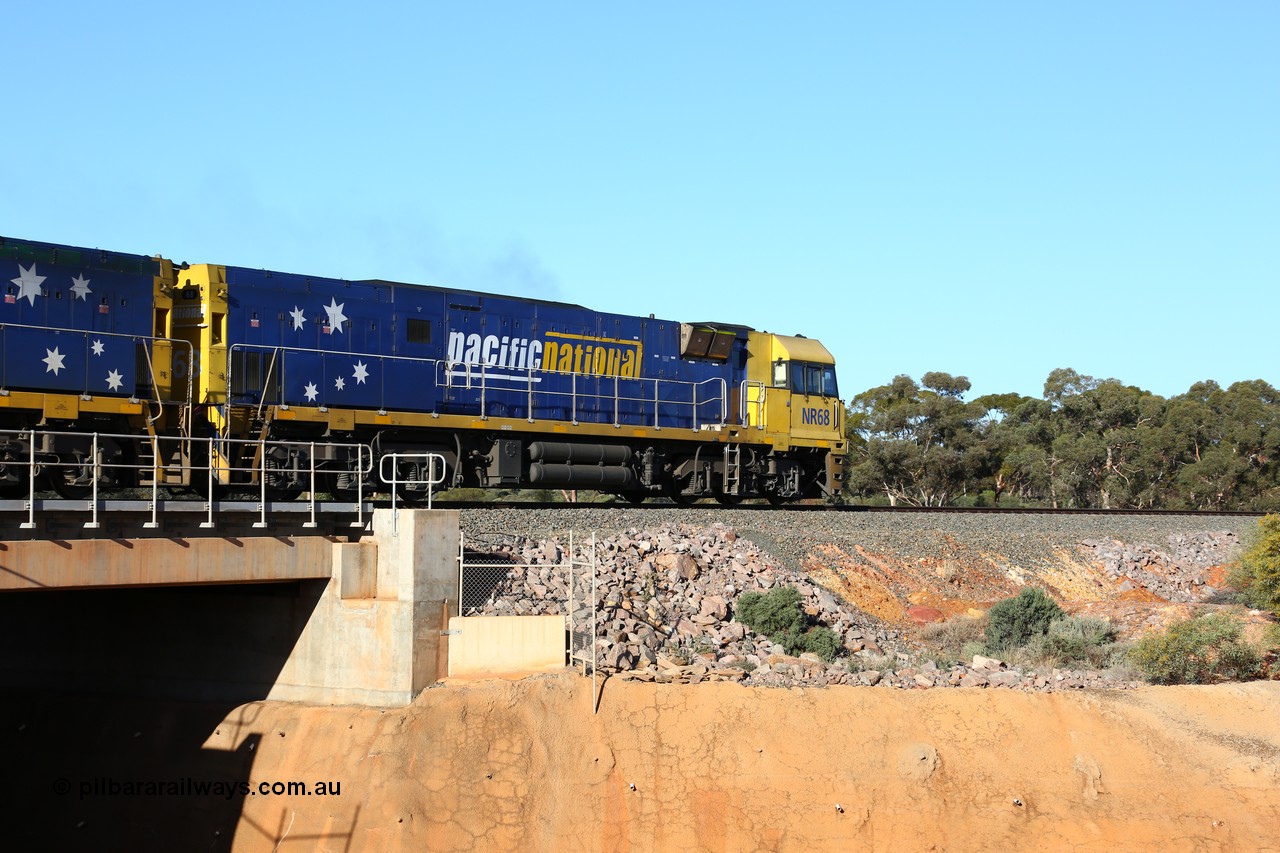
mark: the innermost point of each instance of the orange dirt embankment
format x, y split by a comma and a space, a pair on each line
525, 766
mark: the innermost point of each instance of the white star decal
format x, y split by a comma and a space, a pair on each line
311, 392
362, 372
336, 317
113, 380
28, 283
298, 318
80, 287
55, 361
340, 383
98, 348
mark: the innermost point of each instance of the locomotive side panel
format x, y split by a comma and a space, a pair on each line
75, 321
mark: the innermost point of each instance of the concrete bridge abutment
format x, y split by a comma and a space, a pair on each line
303, 619
376, 635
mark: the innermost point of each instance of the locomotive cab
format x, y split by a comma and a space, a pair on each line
792, 396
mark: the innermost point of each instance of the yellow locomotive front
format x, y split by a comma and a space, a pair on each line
791, 396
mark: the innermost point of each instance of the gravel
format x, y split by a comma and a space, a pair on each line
1023, 540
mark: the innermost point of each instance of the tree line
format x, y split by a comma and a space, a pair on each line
1087, 443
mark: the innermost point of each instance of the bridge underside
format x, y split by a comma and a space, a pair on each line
298, 618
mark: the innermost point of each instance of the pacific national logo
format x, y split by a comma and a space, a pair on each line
559, 352
598, 356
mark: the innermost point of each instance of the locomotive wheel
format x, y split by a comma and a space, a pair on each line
281, 486
14, 491
60, 480
280, 494
635, 498
675, 490
348, 492
776, 499
408, 498
19, 488
61, 476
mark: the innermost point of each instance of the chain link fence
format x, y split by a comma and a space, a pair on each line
500, 574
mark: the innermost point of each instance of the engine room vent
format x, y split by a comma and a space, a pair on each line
704, 340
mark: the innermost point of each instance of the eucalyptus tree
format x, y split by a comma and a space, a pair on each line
921, 443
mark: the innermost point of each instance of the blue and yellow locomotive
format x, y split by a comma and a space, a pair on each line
129, 370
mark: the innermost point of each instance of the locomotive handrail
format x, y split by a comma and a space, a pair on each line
155, 387
479, 377
266, 382
34, 466
723, 399
280, 351
136, 340
472, 372
743, 402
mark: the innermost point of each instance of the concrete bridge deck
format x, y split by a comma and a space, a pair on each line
101, 563
309, 618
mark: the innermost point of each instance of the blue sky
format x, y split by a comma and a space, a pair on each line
987, 189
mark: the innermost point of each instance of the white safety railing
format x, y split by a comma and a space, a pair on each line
435, 473
170, 456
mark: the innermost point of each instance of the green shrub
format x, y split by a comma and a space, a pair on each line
1256, 575
775, 612
822, 642
1197, 651
778, 616
1014, 621
1077, 639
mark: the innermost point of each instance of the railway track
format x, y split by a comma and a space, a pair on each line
57, 518
819, 507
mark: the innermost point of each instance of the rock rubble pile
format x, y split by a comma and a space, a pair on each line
671, 592
1184, 572
664, 612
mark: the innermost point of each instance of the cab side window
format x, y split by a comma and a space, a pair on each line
779, 374
797, 377
829, 381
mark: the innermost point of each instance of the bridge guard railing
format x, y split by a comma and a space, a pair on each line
34, 467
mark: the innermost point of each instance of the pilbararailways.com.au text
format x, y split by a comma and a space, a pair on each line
185, 786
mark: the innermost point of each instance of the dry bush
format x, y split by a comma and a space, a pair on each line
954, 640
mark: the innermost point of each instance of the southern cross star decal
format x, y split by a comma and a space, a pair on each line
28, 283
80, 287
336, 317
113, 380
54, 360
98, 348
298, 318
311, 392
362, 372
340, 383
